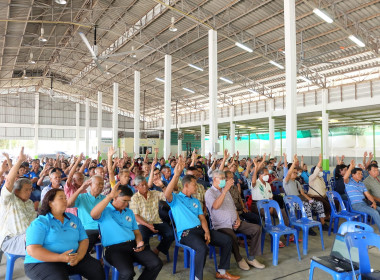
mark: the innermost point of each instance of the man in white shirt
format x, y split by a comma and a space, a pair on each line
16, 210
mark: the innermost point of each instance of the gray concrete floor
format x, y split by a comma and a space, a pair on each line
288, 268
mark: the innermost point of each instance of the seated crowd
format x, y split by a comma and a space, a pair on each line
54, 211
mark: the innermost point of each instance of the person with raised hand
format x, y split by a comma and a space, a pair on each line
16, 210
56, 243
121, 237
192, 228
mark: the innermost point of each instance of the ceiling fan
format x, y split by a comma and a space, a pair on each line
94, 53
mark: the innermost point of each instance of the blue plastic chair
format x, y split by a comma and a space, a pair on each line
11, 259
275, 231
325, 173
75, 277
188, 253
277, 185
303, 223
343, 213
346, 227
364, 215
99, 250
362, 240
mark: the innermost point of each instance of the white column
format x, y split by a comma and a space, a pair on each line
271, 128
291, 78
232, 130
203, 136
77, 126
167, 104
87, 127
325, 130
179, 142
99, 126
36, 121
213, 87
115, 120
136, 126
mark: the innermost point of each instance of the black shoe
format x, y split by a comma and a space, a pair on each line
312, 232
325, 227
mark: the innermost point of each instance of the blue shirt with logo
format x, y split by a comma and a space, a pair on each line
85, 202
53, 235
185, 212
117, 227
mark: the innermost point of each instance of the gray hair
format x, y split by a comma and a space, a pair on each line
139, 180
20, 183
217, 173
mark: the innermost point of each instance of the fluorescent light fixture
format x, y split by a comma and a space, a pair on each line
305, 79
276, 64
226, 80
172, 27
322, 15
195, 67
160, 80
356, 41
61, 2
189, 90
240, 45
253, 91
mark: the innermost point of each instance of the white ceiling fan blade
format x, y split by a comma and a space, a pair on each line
84, 39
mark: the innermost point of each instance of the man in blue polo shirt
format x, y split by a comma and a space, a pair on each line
357, 193
192, 228
121, 236
85, 202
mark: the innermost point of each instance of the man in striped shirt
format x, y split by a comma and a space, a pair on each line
357, 192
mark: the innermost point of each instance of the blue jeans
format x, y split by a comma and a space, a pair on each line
374, 213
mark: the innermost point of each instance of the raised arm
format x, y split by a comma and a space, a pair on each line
12, 176
151, 175
225, 157
97, 211
316, 170
8, 160
74, 196
111, 172
285, 160
193, 158
302, 160
370, 157
72, 171
146, 159
346, 177
290, 171
258, 166
247, 169
174, 182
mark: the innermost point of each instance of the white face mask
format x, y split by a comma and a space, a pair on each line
266, 178
320, 174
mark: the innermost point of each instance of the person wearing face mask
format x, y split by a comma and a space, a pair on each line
317, 187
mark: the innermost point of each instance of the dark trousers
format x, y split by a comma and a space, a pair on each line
250, 217
122, 256
165, 230
88, 267
195, 239
252, 231
93, 238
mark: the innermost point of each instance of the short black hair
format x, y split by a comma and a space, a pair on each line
164, 167
356, 169
187, 179
125, 190
372, 165
192, 168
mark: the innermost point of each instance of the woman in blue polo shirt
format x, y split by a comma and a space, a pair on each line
121, 236
56, 243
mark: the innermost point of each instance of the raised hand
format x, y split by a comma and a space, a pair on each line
179, 166
22, 156
365, 154
226, 155
115, 191
111, 151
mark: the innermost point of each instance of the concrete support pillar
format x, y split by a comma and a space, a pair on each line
271, 128
100, 120
36, 121
232, 131
179, 142
87, 127
167, 104
77, 127
374, 140
115, 119
325, 130
291, 78
203, 135
136, 126
213, 88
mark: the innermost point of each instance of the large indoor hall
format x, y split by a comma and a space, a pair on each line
189, 139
